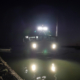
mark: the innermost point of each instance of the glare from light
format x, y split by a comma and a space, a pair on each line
53, 68
39, 28
34, 45
33, 67
26, 36
54, 46
52, 64
45, 28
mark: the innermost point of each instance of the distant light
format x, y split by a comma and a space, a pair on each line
33, 67
34, 45
54, 46
39, 28
53, 68
45, 28
37, 37
26, 36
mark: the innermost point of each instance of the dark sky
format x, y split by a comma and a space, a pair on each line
19, 17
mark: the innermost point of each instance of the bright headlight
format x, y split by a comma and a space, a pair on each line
42, 28
45, 28
34, 45
54, 46
39, 28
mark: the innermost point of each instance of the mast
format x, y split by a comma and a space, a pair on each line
57, 28
57, 25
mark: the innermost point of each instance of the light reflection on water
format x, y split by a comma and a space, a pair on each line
65, 70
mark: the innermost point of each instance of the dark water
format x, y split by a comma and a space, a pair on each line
67, 64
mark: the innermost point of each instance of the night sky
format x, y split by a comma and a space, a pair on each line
19, 18
22, 18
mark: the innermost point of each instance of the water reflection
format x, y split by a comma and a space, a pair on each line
65, 70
